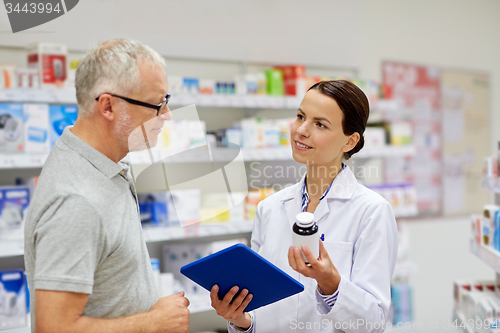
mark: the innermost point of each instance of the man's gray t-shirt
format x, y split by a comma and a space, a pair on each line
83, 233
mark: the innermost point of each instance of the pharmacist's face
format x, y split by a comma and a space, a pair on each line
139, 120
316, 136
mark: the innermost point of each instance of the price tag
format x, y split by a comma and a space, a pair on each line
3, 95
276, 102
206, 100
52, 96
30, 96
12, 95
292, 102
20, 247
10, 161
249, 101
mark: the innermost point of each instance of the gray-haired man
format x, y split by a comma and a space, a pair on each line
86, 260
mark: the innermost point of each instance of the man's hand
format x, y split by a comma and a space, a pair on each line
321, 269
170, 314
232, 311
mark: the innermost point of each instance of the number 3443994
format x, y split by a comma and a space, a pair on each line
32, 8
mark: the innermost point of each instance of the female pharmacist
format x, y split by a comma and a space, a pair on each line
348, 287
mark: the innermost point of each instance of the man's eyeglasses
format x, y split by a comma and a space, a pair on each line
157, 107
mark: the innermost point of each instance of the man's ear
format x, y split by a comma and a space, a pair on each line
351, 142
106, 106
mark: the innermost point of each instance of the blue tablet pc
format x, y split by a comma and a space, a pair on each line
238, 265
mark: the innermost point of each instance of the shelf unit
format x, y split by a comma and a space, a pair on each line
489, 256
162, 234
20, 160
11, 248
486, 254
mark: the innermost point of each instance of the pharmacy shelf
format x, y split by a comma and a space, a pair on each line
159, 234
68, 96
10, 248
21, 160
491, 184
486, 254
57, 96
265, 154
237, 101
16, 330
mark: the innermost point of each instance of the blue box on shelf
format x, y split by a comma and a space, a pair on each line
60, 116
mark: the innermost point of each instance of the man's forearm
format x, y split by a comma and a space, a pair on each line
137, 323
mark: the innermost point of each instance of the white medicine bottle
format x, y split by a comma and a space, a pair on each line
305, 232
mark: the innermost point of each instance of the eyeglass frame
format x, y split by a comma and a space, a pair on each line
157, 107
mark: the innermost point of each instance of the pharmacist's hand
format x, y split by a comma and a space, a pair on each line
170, 314
232, 311
322, 269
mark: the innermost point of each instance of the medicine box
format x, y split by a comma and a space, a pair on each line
60, 116
36, 128
12, 299
51, 62
11, 128
153, 208
14, 201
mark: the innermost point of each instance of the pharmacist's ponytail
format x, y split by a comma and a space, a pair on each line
353, 103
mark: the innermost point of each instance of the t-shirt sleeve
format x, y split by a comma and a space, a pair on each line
68, 241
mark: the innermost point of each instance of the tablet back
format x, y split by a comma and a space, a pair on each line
240, 266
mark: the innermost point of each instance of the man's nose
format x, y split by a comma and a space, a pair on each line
165, 114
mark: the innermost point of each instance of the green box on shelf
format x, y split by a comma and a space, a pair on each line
275, 86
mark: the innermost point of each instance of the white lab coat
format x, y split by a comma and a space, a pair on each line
360, 235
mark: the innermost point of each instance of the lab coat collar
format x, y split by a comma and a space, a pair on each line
342, 188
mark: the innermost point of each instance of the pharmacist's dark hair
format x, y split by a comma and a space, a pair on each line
353, 103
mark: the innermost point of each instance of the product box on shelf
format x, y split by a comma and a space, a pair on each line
253, 198
11, 128
60, 116
274, 82
51, 62
400, 133
191, 85
374, 137
477, 300
294, 79
27, 78
36, 128
476, 228
184, 206
217, 207
402, 197
402, 300
14, 202
12, 299
153, 208
490, 227
7, 76
490, 168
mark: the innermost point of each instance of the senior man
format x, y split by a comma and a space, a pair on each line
87, 263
